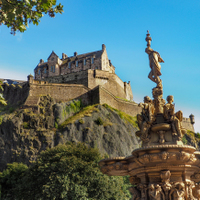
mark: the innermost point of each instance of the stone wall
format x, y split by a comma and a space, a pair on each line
92, 78
186, 123
60, 92
128, 107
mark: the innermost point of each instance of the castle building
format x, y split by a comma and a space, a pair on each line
66, 65
89, 69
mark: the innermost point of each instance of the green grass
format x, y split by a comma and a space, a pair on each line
86, 111
124, 116
124, 99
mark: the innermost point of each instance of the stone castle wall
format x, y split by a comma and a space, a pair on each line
186, 123
92, 78
60, 92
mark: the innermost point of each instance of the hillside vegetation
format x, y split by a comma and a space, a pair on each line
24, 134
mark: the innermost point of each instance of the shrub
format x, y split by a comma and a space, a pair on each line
11, 109
56, 125
26, 125
198, 135
99, 121
184, 140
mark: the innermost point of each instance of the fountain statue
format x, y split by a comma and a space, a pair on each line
163, 168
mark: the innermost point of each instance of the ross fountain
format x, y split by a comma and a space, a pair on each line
163, 168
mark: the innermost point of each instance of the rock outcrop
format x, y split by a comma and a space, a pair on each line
24, 134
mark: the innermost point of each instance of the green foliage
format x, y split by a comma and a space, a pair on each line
184, 140
124, 116
124, 99
1, 119
75, 106
56, 125
191, 133
18, 14
86, 111
198, 135
11, 180
26, 125
11, 109
64, 172
99, 121
81, 121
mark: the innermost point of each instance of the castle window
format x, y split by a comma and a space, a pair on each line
69, 65
53, 69
39, 71
84, 62
45, 70
92, 60
77, 63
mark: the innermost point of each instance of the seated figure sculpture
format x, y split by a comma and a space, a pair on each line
173, 118
146, 118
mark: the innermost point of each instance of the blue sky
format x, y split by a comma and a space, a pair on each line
121, 25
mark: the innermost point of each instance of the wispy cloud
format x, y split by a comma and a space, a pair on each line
19, 36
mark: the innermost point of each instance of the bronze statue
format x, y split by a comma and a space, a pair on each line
172, 117
177, 191
154, 62
146, 118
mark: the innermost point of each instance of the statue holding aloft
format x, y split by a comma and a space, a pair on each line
158, 121
154, 62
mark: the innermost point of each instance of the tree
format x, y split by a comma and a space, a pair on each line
17, 14
2, 100
66, 172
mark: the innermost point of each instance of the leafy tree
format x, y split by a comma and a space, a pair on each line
66, 172
11, 179
2, 100
17, 14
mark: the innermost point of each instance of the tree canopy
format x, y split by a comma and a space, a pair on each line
17, 14
65, 172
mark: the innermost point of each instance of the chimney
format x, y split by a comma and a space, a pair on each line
41, 61
75, 53
103, 47
64, 56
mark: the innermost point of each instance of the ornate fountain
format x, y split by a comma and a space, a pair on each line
163, 168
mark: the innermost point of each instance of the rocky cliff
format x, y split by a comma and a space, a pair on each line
24, 134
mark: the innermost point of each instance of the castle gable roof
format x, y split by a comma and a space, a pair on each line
52, 54
95, 54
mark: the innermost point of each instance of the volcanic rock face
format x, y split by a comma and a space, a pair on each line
24, 134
